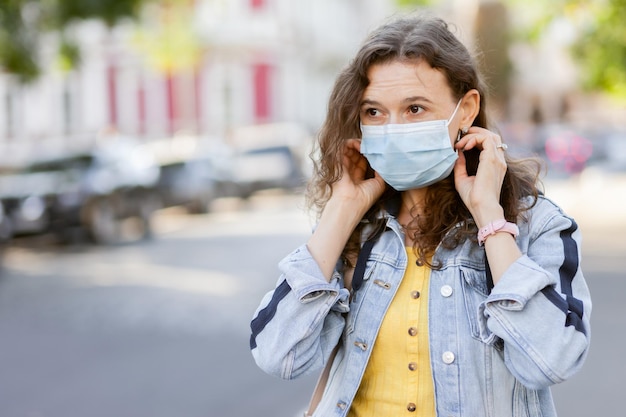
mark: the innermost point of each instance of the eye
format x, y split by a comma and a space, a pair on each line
415, 109
372, 112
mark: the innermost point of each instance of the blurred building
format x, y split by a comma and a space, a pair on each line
208, 66
204, 68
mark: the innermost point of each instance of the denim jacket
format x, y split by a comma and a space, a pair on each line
494, 350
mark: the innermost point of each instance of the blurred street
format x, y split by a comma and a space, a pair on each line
154, 329
160, 328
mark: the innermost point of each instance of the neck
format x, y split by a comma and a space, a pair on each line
412, 205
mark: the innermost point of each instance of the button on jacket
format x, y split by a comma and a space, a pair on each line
495, 350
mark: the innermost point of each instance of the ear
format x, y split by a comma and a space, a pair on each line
470, 106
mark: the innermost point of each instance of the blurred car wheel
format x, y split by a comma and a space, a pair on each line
200, 205
148, 204
102, 222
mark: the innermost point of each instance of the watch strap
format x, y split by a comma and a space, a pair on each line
500, 225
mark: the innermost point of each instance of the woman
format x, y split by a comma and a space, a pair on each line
439, 280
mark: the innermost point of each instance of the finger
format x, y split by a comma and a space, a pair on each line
380, 183
460, 167
354, 144
354, 163
352, 149
470, 140
481, 141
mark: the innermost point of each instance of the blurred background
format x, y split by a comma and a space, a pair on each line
153, 156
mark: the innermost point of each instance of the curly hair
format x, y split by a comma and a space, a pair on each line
410, 39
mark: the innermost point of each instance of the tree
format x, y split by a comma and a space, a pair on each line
414, 3
599, 48
17, 41
23, 23
169, 43
492, 38
600, 45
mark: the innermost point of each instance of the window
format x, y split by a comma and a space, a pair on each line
257, 4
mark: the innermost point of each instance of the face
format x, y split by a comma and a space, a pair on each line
408, 92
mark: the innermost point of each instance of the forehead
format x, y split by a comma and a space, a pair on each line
406, 78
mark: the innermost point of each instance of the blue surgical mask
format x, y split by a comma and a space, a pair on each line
410, 155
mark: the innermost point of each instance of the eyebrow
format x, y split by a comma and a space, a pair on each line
417, 98
406, 100
369, 102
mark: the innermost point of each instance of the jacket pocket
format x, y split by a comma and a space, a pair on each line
475, 291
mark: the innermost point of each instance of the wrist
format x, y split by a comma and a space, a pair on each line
340, 216
496, 226
350, 209
486, 215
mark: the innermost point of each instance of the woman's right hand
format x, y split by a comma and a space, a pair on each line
352, 196
353, 186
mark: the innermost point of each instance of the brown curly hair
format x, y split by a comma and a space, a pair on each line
414, 38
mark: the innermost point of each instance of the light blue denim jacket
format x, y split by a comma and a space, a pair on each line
494, 351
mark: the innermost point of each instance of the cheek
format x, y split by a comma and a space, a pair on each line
453, 132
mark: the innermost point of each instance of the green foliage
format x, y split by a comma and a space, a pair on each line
167, 43
69, 54
23, 22
405, 4
600, 47
16, 42
110, 11
601, 50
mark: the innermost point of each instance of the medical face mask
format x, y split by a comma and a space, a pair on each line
411, 155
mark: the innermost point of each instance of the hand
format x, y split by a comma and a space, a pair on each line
353, 187
481, 193
352, 195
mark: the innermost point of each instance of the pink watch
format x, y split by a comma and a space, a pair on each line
496, 226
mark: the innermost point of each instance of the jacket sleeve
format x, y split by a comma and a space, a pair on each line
298, 324
541, 306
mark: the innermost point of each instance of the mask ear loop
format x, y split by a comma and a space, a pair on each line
454, 112
458, 104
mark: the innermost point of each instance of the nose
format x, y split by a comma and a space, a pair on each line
395, 119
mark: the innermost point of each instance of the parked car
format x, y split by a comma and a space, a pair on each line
193, 171
6, 234
101, 191
6, 229
269, 156
25, 199
187, 183
263, 168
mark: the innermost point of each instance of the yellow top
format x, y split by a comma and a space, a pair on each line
398, 379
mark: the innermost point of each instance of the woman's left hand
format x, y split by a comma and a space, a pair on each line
481, 193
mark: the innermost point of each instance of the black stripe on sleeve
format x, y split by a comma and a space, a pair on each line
571, 306
266, 314
572, 318
570, 262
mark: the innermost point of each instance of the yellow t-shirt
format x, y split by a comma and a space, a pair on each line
398, 379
